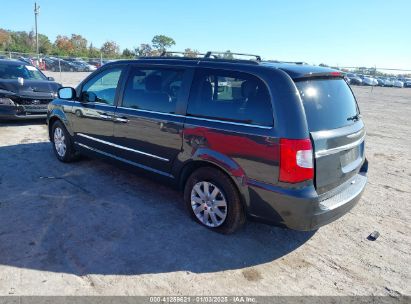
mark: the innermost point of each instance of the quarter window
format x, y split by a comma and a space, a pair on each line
153, 89
103, 85
230, 96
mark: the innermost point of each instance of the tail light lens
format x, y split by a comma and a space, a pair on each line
296, 160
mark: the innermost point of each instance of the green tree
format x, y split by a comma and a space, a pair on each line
20, 42
110, 49
5, 39
128, 53
63, 46
144, 50
162, 42
191, 53
93, 52
79, 45
45, 46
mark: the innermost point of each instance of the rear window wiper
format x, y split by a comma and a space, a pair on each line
355, 117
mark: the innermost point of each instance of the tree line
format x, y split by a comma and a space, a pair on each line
78, 46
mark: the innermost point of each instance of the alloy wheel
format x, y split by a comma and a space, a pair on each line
209, 204
59, 142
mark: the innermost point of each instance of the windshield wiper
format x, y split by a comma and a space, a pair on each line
355, 117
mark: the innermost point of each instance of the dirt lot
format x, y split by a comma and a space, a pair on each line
90, 228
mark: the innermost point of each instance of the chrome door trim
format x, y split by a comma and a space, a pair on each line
230, 122
124, 160
153, 112
122, 147
339, 149
199, 118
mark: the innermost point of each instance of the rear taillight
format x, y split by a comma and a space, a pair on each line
296, 160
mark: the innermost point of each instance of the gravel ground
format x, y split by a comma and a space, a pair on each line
90, 228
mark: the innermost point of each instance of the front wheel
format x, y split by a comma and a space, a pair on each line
62, 143
213, 200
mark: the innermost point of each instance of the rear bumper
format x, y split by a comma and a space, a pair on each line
305, 210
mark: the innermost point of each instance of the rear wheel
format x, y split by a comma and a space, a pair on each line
62, 143
213, 200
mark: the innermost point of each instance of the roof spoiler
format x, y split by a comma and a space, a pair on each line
332, 74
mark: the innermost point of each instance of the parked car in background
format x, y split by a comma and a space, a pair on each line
384, 82
397, 83
25, 60
55, 64
25, 91
82, 65
95, 63
388, 82
86, 66
381, 82
368, 80
219, 129
354, 79
406, 81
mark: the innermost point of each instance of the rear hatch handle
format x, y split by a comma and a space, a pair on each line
341, 148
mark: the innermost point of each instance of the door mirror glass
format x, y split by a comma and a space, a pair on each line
50, 78
88, 97
66, 93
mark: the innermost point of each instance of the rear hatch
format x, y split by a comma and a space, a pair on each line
336, 129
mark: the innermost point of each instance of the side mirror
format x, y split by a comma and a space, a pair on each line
50, 78
66, 93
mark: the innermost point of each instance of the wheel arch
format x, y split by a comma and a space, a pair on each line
57, 115
239, 181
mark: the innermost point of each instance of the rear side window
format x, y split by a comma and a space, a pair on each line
153, 89
230, 96
328, 103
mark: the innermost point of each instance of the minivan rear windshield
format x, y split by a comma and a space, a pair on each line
328, 103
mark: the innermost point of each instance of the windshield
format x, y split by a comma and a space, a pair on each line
328, 103
13, 71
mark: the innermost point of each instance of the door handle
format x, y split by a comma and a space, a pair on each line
121, 119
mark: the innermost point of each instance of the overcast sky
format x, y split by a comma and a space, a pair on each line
344, 33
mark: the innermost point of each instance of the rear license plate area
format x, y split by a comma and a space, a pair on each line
350, 156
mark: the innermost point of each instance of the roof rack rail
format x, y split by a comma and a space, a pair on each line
167, 53
217, 55
209, 56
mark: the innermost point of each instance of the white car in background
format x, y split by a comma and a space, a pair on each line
406, 81
396, 83
368, 80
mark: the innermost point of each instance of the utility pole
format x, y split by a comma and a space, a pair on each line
36, 12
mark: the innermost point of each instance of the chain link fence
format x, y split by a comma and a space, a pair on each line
58, 63
88, 64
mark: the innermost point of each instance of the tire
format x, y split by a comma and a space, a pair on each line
211, 210
62, 143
